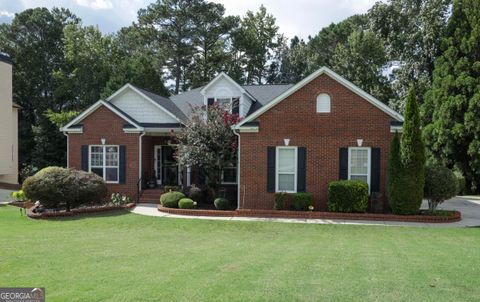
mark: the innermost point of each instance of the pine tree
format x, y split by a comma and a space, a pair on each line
451, 111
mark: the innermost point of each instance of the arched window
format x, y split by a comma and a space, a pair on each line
323, 103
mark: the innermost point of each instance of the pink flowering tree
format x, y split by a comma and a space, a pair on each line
208, 141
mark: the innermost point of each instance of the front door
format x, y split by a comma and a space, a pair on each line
166, 167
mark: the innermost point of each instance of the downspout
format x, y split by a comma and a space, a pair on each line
140, 144
238, 169
68, 149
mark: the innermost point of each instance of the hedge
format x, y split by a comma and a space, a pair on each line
301, 201
170, 199
186, 203
347, 196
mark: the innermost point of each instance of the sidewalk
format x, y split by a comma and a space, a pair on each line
470, 216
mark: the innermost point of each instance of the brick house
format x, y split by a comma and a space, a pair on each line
292, 138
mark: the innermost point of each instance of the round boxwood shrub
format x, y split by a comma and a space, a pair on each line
301, 201
170, 199
440, 185
186, 203
347, 196
221, 204
55, 187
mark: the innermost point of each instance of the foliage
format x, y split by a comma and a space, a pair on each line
170, 199
55, 186
60, 119
186, 203
280, 202
460, 182
440, 185
302, 201
222, 204
347, 196
195, 193
119, 199
395, 190
26, 171
172, 188
450, 113
18, 195
412, 154
208, 141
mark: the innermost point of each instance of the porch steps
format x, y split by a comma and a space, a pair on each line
151, 196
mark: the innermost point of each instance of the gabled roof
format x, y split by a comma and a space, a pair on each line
161, 102
221, 75
336, 77
91, 109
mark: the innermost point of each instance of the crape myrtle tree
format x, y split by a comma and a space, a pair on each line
207, 141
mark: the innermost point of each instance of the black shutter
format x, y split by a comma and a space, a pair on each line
375, 170
210, 101
201, 176
302, 169
343, 169
84, 164
271, 169
236, 106
122, 165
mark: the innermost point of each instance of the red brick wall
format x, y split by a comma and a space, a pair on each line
351, 118
105, 124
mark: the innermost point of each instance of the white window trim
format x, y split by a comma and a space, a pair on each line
229, 182
295, 173
369, 163
105, 162
329, 103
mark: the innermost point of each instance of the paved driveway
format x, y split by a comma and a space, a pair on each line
5, 195
469, 206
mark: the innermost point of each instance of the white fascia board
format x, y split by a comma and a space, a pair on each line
92, 109
394, 129
248, 130
308, 79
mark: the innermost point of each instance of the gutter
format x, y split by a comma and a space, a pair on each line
140, 160
68, 149
238, 168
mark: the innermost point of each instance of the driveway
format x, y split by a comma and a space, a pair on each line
5, 195
469, 206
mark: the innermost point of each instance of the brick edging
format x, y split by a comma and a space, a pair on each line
314, 215
75, 212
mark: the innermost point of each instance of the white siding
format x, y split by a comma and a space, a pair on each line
245, 104
7, 158
141, 109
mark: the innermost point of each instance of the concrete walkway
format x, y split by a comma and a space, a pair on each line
469, 207
5, 196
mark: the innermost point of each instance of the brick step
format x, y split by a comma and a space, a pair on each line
150, 200
151, 195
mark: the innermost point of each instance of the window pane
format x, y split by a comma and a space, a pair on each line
359, 177
96, 156
286, 160
224, 103
286, 182
359, 161
112, 174
112, 157
98, 171
230, 175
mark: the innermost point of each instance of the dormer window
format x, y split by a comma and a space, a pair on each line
230, 104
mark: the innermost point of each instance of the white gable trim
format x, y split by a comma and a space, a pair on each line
217, 78
92, 109
324, 70
130, 86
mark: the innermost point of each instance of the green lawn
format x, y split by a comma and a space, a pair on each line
128, 257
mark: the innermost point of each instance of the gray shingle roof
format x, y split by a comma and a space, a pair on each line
165, 103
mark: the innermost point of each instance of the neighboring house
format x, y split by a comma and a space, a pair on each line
293, 138
8, 125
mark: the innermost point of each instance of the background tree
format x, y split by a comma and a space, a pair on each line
207, 141
361, 61
451, 112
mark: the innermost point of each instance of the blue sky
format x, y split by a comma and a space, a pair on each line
295, 17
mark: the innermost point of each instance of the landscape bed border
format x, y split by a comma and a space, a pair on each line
455, 217
75, 212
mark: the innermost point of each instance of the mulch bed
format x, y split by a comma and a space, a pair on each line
426, 218
75, 212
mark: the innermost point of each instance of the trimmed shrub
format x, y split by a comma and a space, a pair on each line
461, 182
221, 204
18, 195
280, 202
55, 187
195, 193
170, 199
347, 196
301, 201
440, 185
167, 189
186, 203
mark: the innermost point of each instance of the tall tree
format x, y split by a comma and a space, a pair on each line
34, 40
451, 112
172, 22
294, 61
257, 41
362, 61
412, 32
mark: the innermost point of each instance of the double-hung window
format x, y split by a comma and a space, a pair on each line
286, 169
359, 164
104, 161
224, 102
229, 173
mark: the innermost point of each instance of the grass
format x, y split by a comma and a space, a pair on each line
127, 257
